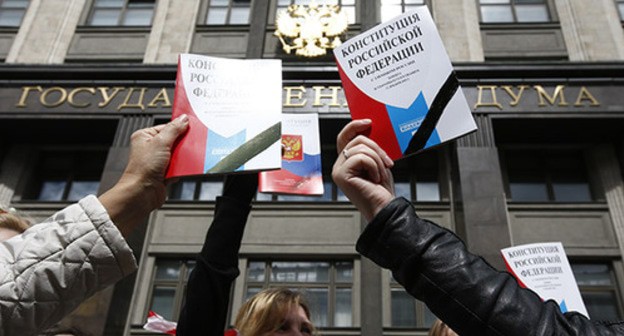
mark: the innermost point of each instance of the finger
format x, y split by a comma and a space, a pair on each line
362, 149
350, 131
365, 166
173, 129
363, 140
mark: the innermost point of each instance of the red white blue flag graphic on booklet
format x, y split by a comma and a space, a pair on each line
301, 158
398, 75
234, 109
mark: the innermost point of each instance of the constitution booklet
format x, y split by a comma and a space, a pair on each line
234, 108
301, 158
544, 268
399, 75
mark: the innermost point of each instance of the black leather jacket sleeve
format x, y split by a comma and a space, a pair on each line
462, 289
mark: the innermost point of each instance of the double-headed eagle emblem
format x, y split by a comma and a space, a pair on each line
310, 30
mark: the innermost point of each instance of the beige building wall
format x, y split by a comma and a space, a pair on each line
592, 30
46, 32
172, 30
458, 23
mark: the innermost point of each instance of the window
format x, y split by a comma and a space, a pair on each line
12, 12
122, 13
501, 11
597, 285
407, 312
417, 177
169, 287
392, 8
620, 6
547, 176
348, 6
228, 12
328, 286
62, 175
197, 189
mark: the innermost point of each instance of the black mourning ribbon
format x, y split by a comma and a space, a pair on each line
419, 140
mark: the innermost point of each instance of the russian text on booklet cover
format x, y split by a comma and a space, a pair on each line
544, 268
234, 109
399, 75
301, 158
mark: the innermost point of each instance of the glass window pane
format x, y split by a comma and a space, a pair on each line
105, 17
184, 190
220, 3
430, 318
297, 198
255, 272
80, 189
427, 191
528, 192
494, 14
402, 189
350, 11
592, 274
11, 17
601, 306
283, 3
532, 13
210, 190
239, 15
344, 272
348, 3
390, 2
264, 197
621, 9
300, 272
167, 269
390, 11
319, 306
403, 308
52, 191
138, 17
572, 192
162, 301
14, 4
190, 266
483, 2
342, 314
216, 16
109, 3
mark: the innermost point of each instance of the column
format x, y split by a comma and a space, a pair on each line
458, 24
592, 32
46, 32
172, 31
481, 215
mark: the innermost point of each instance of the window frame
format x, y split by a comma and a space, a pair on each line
542, 152
403, 4
619, 8
615, 271
331, 285
420, 309
204, 10
123, 11
550, 10
23, 14
180, 284
273, 8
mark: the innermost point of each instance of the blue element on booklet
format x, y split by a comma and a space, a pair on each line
563, 307
406, 122
219, 147
310, 165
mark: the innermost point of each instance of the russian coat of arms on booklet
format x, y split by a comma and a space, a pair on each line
399, 75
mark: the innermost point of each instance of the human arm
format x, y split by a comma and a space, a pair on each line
48, 270
208, 288
434, 265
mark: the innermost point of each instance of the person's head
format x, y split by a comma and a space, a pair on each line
275, 311
439, 328
11, 224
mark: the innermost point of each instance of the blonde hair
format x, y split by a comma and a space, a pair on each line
264, 312
438, 328
13, 222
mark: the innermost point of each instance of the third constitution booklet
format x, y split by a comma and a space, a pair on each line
399, 75
301, 158
234, 108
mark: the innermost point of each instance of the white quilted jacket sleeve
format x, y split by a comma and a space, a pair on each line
47, 271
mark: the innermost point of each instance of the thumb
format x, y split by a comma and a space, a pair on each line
174, 129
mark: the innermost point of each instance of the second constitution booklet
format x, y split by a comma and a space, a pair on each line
234, 108
398, 75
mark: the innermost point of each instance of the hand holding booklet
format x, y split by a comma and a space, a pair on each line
234, 108
398, 75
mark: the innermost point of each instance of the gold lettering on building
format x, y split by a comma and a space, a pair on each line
54, 91
493, 103
516, 97
543, 95
25, 91
583, 95
318, 95
106, 97
295, 92
139, 102
72, 94
163, 97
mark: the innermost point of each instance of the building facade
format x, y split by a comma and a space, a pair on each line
544, 79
